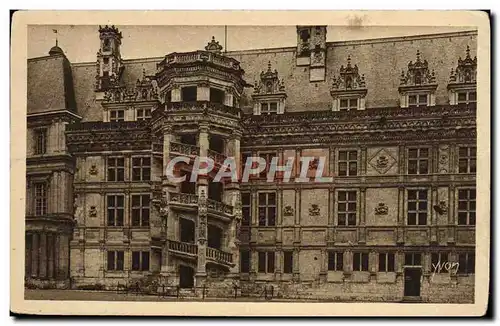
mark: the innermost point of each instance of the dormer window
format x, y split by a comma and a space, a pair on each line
417, 85
417, 100
269, 93
462, 84
348, 89
116, 115
269, 108
348, 104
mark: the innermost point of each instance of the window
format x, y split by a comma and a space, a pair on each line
115, 210
143, 114
140, 210
346, 208
335, 261
466, 263
386, 262
141, 169
244, 261
217, 95
288, 262
348, 104
417, 100
360, 262
439, 259
116, 115
266, 262
466, 97
418, 161
267, 209
348, 163
40, 141
417, 207
40, 198
246, 208
413, 259
467, 159
467, 206
269, 108
188, 94
268, 157
140, 260
116, 168
115, 260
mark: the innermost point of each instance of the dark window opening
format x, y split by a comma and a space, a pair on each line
214, 237
244, 261
189, 139
188, 94
287, 262
335, 261
360, 261
217, 95
215, 190
187, 230
216, 143
386, 262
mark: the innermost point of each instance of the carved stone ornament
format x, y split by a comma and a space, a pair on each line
313, 164
349, 78
382, 161
442, 208
418, 73
466, 70
269, 82
314, 210
213, 46
288, 211
92, 211
381, 209
93, 170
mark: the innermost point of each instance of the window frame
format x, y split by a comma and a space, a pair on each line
267, 208
41, 141
114, 170
467, 96
470, 267
142, 168
265, 107
413, 255
144, 221
348, 161
268, 268
248, 261
142, 114
349, 107
417, 98
288, 266
140, 267
417, 211
419, 159
347, 212
113, 264
434, 263
468, 210
116, 209
364, 265
40, 201
335, 261
388, 258
469, 158
116, 118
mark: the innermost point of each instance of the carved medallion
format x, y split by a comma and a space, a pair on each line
93, 170
288, 211
382, 161
381, 209
314, 210
92, 211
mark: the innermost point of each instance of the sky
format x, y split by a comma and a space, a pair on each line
81, 42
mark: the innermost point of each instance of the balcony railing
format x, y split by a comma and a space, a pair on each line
216, 156
200, 56
200, 106
220, 256
183, 247
184, 149
220, 207
107, 126
181, 198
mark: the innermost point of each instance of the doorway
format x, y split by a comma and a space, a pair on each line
412, 282
186, 276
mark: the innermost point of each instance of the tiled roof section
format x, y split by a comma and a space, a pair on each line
50, 85
380, 60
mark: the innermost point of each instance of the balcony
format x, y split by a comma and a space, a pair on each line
184, 249
219, 207
183, 200
199, 56
200, 107
219, 257
184, 149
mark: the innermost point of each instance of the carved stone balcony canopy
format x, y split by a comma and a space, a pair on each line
214, 46
219, 207
466, 70
418, 73
182, 198
269, 83
215, 208
349, 78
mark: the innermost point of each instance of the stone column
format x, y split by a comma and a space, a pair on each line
202, 186
203, 91
35, 254
401, 223
43, 255
63, 263
50, 255
176, 94
161, 213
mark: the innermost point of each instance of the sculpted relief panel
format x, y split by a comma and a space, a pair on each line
382, 161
